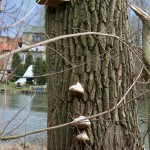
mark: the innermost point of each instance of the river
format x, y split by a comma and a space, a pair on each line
32, 116
24, 114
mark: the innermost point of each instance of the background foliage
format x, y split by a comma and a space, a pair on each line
39, 68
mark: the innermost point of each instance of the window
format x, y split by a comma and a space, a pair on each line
23, 58
33, 57
33, 38
39, 38
36, 38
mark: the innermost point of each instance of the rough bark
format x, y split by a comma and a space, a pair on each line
108, 63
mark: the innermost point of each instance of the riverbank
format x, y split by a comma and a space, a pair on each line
26, 89
23, 146
12, 87
31, 116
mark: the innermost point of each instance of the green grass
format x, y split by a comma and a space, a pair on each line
12, 86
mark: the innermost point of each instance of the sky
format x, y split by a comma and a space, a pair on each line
17, 14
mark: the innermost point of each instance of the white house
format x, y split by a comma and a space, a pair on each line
32, 35
38, 51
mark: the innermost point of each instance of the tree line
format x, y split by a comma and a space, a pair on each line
19, 68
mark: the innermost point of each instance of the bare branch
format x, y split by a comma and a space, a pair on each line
142, 15
76, 35
145, 33
90, 117
58, 38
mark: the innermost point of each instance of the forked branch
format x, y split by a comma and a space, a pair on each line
142, 15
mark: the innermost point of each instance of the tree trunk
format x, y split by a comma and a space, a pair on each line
104, 68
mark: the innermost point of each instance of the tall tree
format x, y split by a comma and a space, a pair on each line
18, 72
104, 69
16, 60
28, 61
18, 68
40, 69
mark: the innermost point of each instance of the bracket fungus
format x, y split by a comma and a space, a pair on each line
76, 90
82, 137
52, 3
83, 124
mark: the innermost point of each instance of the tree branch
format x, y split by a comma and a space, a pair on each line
76, 35
90, 117
145, 35
58, 38
142, 15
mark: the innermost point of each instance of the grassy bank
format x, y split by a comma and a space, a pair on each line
17, 146
11, 86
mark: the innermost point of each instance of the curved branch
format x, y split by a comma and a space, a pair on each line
142, 15
145, 18
90, 117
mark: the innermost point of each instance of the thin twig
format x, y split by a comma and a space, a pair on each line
76, 35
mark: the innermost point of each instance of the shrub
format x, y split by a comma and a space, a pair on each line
16, 60
39, 68
28, 61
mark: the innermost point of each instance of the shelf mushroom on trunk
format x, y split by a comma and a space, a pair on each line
80, 123
82, 137
77, 90
52, 3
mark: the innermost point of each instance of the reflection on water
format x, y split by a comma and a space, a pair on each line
32, 117
39, 105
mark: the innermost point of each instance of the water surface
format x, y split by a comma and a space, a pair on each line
24, 114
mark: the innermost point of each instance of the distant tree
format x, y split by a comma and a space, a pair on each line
17, 67
39, 68
18, 72
28, 61
16, 60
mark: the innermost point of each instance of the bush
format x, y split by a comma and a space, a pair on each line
28, 61
18, 72
16, 60
39, 68
17, 67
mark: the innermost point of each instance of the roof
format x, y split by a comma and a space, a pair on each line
1, 64
4, 36
28, 73
5, 47
34, 29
